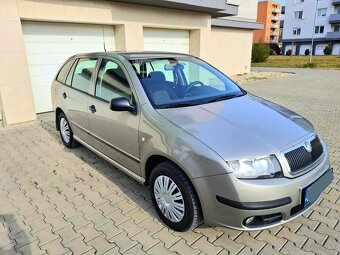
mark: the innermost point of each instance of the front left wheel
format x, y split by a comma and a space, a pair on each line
66, 133
174, 197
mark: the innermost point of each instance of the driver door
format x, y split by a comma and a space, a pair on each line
115, 133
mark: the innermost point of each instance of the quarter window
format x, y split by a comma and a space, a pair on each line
299, 1
112, 82
83, 74
64, 71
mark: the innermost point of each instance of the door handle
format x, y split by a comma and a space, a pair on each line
92, 108
64, 95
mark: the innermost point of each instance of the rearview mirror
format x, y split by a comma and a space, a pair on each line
177, 66
122, 104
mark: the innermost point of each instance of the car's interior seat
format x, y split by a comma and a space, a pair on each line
158, 88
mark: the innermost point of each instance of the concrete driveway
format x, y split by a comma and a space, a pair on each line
57, 201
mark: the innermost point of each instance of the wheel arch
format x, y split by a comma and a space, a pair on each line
154, 160
57, 113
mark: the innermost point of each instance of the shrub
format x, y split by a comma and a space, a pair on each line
276, 48
307, 52
289, 52
260, 52
328, 49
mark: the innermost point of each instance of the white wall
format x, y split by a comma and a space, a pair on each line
306, 24
247, 9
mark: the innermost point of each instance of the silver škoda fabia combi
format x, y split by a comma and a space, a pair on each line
208, 149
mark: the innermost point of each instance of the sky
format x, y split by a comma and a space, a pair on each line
282, 2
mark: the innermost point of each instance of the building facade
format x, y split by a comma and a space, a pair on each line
313, 18
268, 13
37, 36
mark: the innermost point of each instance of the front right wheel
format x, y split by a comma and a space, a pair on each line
174, 197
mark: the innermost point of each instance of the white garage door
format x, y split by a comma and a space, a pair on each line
336, 49
48, 45
171, 40
304, 47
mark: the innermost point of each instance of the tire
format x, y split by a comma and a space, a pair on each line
66, 133
187, 213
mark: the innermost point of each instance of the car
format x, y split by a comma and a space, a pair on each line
208, 150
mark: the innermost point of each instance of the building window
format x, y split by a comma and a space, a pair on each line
319, 29
337, 10
299, 1
321, 12
336, 28
298, 15
296, 31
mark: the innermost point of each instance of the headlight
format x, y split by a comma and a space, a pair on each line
263, 167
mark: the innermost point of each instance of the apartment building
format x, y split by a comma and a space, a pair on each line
37, 36
305, 19
268, 13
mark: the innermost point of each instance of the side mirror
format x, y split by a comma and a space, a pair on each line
122, 104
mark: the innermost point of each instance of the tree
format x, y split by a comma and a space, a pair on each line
260, 52
328, 49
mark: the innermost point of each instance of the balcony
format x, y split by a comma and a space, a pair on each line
277, 10
274, 33
333, 35
275, 26
336, 2
275, 18
334, 18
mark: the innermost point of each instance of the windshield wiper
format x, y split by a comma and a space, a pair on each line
176, 105
224, 97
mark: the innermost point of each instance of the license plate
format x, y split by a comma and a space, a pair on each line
312, 192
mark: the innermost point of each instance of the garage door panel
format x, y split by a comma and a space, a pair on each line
49, 45
43, 70
171, 40
68, 48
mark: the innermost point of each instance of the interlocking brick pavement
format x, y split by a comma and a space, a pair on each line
59, 201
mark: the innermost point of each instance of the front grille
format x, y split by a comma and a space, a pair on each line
300, 158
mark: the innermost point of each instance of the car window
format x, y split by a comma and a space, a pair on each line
178, 81
112, 82
158, 66
83, 73
64, 71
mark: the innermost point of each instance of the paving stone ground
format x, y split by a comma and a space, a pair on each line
59, 201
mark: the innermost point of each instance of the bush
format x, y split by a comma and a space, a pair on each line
307, 52
260, 52
328, 50
276, 48
289, 52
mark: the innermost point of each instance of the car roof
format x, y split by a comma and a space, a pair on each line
132, 55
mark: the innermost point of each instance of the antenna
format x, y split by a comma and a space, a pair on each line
104, 39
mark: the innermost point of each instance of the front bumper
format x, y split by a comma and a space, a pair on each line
228, 201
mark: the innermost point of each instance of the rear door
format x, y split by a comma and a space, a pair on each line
76, 95
115, 133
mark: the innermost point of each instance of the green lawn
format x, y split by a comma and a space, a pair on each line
325, 62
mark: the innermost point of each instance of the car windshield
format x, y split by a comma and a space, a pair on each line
183, 81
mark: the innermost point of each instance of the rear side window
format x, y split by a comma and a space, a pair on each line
83, 73
64, 71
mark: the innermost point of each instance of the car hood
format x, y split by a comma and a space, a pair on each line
241, 127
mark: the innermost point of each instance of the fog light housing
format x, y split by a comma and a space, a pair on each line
249, 220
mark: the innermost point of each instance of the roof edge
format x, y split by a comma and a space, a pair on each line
237, 24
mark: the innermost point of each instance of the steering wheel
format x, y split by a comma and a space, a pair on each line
191, 85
